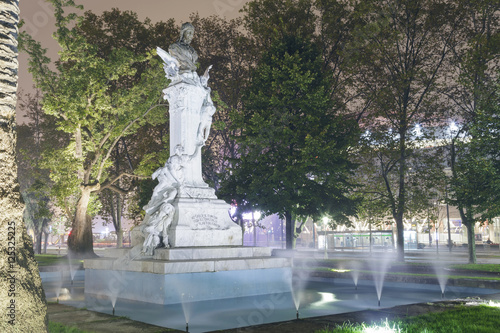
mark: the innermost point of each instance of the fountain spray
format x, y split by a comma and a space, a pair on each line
113, 310
379, 303
442, 295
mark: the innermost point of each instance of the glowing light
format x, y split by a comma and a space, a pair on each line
248, 216
418, 130
325, 299
494, 304
340, 270
384, 328
453, 127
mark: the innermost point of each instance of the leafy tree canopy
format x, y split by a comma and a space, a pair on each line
293, 144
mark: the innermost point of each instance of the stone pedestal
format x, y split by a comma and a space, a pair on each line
188, 274
203, 222
199, 222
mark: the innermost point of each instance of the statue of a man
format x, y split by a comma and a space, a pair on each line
183, 52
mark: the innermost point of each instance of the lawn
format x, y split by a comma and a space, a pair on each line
54, 260
461, 319
60, 328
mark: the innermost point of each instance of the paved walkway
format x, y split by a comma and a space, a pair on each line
91, 321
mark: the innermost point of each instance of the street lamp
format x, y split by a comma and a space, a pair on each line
325, 223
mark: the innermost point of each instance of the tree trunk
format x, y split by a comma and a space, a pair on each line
400, 244
118, 224
471, 241
46, 240
23, 304
289, 230
38, 245
80, 241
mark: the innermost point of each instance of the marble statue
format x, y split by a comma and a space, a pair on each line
184, 210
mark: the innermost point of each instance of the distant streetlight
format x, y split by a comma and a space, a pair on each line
325, 223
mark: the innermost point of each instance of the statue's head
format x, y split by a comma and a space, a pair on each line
187, 33
178, 150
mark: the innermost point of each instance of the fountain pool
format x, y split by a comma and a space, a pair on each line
320, 297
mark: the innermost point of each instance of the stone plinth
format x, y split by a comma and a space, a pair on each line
199, 222
189, 274
203, 222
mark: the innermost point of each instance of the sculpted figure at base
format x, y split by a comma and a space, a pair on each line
159, 210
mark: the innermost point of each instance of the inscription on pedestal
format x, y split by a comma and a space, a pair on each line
205, 221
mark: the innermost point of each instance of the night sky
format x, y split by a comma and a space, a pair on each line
39, 21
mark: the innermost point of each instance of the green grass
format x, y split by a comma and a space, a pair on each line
461, 319
60, 328
492, 268
52, 260
475, 267
328, 269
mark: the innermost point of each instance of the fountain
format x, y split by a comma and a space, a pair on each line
379, 269
298, 283
441, 275
58, 286
72, 269
187, 233
355, 267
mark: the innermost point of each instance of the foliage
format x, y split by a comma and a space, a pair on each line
33, 137
397, 57
474, 96
223, 44
96, 104
293, 143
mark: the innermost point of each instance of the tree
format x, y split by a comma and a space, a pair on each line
145, 150
475, 169
222, 44
23, 299
473, 86
293, 143
90, 96
34, 137
37, 213
398, 55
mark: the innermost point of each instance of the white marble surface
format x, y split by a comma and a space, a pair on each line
193, 260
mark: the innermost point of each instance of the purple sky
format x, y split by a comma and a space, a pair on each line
39, 21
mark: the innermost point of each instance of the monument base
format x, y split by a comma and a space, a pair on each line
189, 274
199, 222
203, 222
